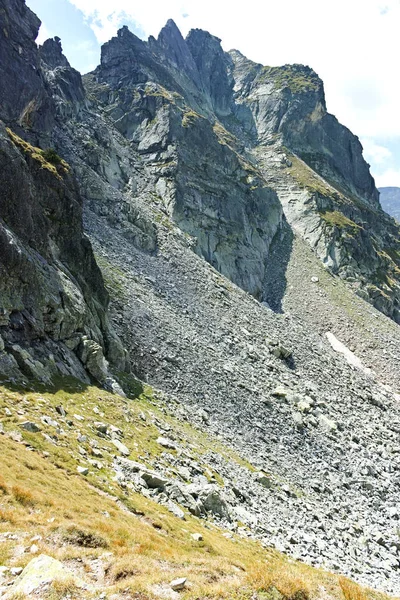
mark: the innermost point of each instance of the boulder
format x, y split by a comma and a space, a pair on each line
40, 572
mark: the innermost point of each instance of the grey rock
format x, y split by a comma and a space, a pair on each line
31, 427
82, 470
264, 479
121, 447
166, 443
178, 584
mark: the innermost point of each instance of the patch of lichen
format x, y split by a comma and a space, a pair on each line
45, 158
113, 277
189, 118
298, 78
335, 218
392, 254
224, 137
308, 179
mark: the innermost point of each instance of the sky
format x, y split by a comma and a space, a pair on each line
351, 44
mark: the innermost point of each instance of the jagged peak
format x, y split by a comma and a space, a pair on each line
172, 44
170, 27
124, 34
171, 37
200, 35
51, 53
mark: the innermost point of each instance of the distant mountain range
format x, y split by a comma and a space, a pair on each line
390, 200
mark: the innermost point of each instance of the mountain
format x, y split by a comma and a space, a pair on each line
390, 201
199, 327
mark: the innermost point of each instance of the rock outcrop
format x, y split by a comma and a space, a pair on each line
52, 295
175, 100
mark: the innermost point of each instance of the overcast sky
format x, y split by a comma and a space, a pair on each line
353, 45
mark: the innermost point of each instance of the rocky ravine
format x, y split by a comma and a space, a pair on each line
204, 178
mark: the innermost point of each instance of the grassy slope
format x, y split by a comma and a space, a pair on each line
89, 521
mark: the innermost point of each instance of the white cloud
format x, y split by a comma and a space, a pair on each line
351, 44
43, 35
389, 178
375, 153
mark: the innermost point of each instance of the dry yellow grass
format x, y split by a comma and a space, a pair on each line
139, 543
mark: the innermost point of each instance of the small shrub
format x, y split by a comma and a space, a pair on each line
63, 588
3, 486
86, 539
351, 591
7, 516
51, 156
23, 496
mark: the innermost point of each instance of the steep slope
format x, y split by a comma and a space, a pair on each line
53, 303
390, 200
116, 531
168, 163
275, 123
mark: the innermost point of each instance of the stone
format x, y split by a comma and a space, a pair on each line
178, 584
166, 443
39, 573
82, 470
101, 427
121, 447
49, 421
314, 279
280, 351
298, 420
31, 427
154, 480
176, 510
264, 479
15, 571
326, 423
280, 392
61, 411
305, 405
197, 537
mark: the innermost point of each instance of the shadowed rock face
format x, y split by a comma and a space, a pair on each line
178, 101
52, 296
24, 99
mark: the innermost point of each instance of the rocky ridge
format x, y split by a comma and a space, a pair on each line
168, 162
53, 309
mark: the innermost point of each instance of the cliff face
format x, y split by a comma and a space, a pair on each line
24, 99
53, 304
177, 100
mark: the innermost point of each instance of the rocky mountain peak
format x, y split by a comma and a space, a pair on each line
51, 53
212, 63
172, 46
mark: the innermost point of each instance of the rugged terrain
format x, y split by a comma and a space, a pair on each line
390, 200
239, 263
